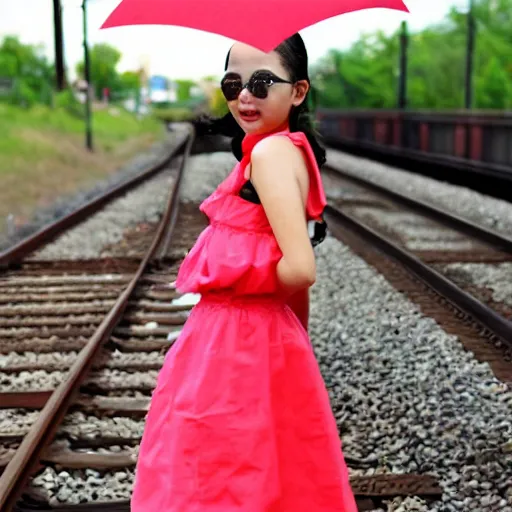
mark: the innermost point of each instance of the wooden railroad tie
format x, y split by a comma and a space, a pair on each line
370, 490
366, 489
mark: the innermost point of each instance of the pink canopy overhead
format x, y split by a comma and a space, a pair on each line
263, 24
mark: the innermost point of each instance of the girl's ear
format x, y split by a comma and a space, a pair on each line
301, 89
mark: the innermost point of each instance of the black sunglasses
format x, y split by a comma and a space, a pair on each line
258, 85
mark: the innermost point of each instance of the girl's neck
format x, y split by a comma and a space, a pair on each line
250, 140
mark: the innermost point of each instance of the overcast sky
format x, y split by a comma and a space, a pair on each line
185, 53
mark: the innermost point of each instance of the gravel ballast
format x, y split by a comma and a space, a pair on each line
145, 204
481, 209
407, 396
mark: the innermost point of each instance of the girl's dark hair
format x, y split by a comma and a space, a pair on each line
294, 58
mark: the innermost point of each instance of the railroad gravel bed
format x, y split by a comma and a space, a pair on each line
120, 359
145, 204
40, 380
406, 395
88, 240
84, 486
78, 425
63, 360
415, 232
481, 209
204, 174
118, 379
58, 309
16, 421
67, 204
48, 360
497, 277
47, 380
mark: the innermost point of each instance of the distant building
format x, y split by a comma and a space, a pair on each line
160, 90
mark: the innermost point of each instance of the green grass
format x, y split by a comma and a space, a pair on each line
111, 127
43, 154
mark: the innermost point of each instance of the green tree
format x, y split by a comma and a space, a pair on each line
327, 87
366, 74
104, 60
129, 85
493, 87
436, 67
104, 75
183, 89
130, 80
27, 66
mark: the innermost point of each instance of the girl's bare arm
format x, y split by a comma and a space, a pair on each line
280, 177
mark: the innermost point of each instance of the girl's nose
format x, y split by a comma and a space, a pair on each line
245, 95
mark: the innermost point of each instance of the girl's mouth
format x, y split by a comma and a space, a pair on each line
249, 116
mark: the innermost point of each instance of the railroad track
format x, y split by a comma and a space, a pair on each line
82, 344
13, 255
75, 334
436, 247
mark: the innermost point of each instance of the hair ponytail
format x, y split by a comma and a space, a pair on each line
300, 121
226, 125
294, 57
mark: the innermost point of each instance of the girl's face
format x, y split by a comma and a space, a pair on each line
255, 114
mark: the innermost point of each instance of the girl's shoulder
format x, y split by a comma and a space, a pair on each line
281, 145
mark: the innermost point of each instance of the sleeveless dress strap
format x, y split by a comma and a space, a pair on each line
316, 201
316, 198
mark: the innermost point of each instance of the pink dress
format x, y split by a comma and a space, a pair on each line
240, 420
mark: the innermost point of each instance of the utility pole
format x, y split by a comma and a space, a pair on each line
402, 77
468, 79
470, 50
87, 77
60, 70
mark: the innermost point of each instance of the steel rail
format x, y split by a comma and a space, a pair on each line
163, 248
454, 294
488, 235
49, 232
41, 433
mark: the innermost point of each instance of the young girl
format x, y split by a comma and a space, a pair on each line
240, 419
